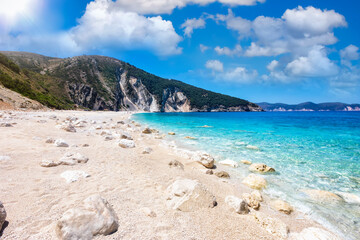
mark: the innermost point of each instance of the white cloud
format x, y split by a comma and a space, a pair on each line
255, 51
272, 65
239, 75
238, 24
229, 52
167, 6
215, 65
315, 64
203, 48
350, 53
190, 24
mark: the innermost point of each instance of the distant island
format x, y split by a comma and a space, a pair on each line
309, 106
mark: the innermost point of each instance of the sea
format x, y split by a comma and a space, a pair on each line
309, 150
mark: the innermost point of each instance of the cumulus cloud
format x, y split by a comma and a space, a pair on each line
229, 52
215, 65
238, 24
239, 75
203, 47
348, 54
315, 64
167, 6
190, 24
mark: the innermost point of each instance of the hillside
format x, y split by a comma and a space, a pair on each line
104, 83
310, 106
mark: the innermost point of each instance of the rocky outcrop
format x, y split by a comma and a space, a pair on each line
95, 217
174, 100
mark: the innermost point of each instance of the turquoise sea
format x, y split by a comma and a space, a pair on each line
309, 150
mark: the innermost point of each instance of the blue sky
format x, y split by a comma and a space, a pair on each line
259, 50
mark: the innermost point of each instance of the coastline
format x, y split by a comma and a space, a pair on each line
130, 181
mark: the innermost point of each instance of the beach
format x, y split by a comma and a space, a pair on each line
135, 180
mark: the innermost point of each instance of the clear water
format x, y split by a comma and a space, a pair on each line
309, 150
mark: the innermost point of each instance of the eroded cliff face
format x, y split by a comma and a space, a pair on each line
175, 101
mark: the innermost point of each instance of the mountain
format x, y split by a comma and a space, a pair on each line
310, 106
104, 83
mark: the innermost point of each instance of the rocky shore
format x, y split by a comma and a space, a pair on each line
84, 175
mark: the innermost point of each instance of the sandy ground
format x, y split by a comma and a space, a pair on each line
36, 197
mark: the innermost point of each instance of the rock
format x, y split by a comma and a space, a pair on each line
206, 126
49, 163
171, 133
209, 171
5, 158
61, 143
246, 162
261, 168
176, 164
188, 137
252, 147
204, 159
189, 195
237, 204
159, 136
255, 181
256, 194
148, 212
281, 206
108, 138
84, 145
2, 215
69, 128
50, 140
153, 130
147, 131
98, 127
73, 158
322, 196
313, 233
251, 201
230, 163
95, 217
74, 175
105, 132
53, 117
222, 174
125, 135
348, 197
125, 143
147, 150
273, 225
6, 125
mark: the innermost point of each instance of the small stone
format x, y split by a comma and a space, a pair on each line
50, 140
247, 162
6, 125
237, 204
261, 168
147, 150
108, 138
147, 131
73, 158
256, 194
191, 138
69, 128
204, 159
125, 135
222, 174
251, 201
125, 143
74, 175
255, 181
61, 143
159, 136
85, 145
171, 133
281, 206
230, 163
148, 212
49, 163
176, 164
209, 171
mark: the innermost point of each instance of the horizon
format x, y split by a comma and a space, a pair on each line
248, 49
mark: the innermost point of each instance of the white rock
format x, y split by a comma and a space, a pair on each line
74, 175
273, 225
230, 163
2, 215
125, 143
237, 204
4, 158
148, 212
189, 195
313, 233
95, 217
49, 163
125, 135
348, 197
204, 159
98, 127
73, 158
255, 181
61, 143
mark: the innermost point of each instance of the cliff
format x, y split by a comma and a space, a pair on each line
104, 83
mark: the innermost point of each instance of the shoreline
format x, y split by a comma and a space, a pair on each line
127, 178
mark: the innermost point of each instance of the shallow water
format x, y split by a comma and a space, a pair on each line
309, 150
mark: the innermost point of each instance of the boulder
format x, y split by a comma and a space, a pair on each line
230, 163
2, 215
313, 234
125, 143
95, 217
222, 174
261, 168
281, 206
147, 131
171, 133
273, 225
204, 159
255, 181
251, 201
322, 196
189, 195
73, 158
147, 150
251, 147
74, 175
176, 164
247, 162
237, 204
60, 143
256, 194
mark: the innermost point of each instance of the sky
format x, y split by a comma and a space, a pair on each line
259, 50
